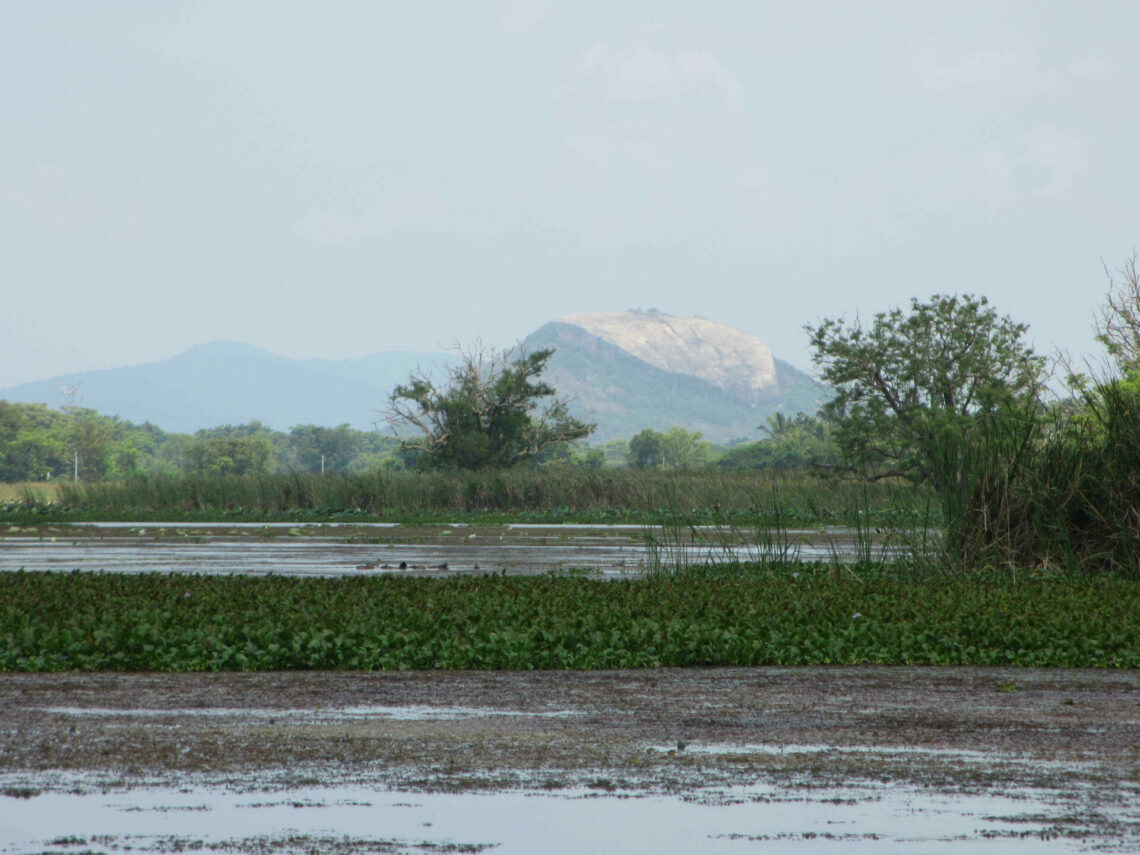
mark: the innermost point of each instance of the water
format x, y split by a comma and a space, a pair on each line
883, 819
256, 549
413, 712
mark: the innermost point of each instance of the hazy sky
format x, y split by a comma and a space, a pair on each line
337, 179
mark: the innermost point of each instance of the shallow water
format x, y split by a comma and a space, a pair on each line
749, 819
867, 759
414, 712
331, 550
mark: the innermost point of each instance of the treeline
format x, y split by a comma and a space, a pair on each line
38, 443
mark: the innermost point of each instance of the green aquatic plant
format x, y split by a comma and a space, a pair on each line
732, 615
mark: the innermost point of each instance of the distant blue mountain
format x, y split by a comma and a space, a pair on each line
225, 382
678, 381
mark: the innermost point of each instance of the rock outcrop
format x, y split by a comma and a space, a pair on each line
728, 358
627, 371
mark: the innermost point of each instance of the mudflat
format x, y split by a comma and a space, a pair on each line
641, 730
694, 760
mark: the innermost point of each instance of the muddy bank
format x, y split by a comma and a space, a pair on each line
645, 729
642, 761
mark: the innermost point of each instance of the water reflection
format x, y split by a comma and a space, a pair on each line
332, 550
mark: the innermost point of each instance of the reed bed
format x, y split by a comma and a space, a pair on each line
1059, 493
29, 492
558, 491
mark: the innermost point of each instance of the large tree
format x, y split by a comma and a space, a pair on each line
909, 381
486, 413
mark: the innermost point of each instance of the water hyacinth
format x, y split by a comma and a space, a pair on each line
737, 615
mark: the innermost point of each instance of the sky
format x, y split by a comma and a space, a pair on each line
344, 178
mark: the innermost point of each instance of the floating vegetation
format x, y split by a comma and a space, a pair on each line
806, 614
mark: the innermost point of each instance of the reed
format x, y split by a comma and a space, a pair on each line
701, 495
1059, 493
28, 492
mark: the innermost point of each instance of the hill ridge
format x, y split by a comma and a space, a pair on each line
227, 382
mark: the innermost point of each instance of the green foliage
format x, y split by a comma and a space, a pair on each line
38, 443
217, 455
486, 415
799, 443
733, 616
33, 442
675, 449
1055, 487
914, 381
555, 494
92, 437
615, 452
645, 449
320, 449
1060, 492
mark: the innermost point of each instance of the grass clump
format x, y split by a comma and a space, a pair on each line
1056, 490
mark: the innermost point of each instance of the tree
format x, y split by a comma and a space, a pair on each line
776, 426
236, 455
802, 442
677, 449
35, 442
92, 443
913, 380
485, 414
323, 449
682, 449
645, 449
1118, 327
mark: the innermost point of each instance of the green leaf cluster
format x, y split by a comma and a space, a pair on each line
56, 622
676, 448
802, 442
487, 413
913, 380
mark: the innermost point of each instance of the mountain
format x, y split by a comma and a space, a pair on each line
627, 371
229, 383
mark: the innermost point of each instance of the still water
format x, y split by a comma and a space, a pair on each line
329, 550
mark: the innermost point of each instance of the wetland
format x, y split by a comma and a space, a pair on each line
323, 710
870, 759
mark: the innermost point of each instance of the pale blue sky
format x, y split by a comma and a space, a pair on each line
338, 179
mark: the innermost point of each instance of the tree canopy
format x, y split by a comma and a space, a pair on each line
675, 449
486, 412
910, 380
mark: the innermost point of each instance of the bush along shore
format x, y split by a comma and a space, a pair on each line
794, 615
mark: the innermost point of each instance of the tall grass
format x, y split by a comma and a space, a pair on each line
702, 495
675, 543
28, 492
1056, 493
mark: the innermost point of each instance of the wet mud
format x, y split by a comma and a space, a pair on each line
1026, 756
